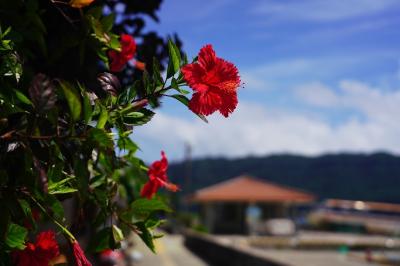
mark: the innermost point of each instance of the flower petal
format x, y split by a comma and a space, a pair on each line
79, 255
229, 103
207, 57
228, 75
194, 74
205, 103
149, 189
171, 187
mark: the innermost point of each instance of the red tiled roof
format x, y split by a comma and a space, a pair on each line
250, 189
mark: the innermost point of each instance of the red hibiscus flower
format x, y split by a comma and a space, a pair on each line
39, 254
157, 178
119, 59
79, 255
214, 82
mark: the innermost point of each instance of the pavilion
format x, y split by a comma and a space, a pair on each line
224, 206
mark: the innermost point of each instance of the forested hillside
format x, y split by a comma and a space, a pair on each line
348, 176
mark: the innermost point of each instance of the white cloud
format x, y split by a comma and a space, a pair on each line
317, 94
254, 82
286, 72
326, 10
375, 104
257, 130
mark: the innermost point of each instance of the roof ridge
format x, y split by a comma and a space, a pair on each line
254, 179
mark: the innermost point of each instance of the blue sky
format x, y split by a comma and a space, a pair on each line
320, 76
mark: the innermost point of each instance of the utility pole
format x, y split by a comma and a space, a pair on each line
188, 172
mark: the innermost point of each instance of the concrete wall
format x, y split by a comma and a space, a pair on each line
217, 254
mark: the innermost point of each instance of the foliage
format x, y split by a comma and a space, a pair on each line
66, 122
373, 177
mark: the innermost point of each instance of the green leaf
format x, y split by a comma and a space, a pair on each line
103, 117
102, 54
55, 171
97, 181
10, 66
20, 96
142, 208
157, 78
3, 34
87, 108
175, 86
146, 82
61, 187
134, 115
117, 234
174, 59
139, 117
183, 99
127, 144
108, 22
102, 240
55, 205
26, 208
15, 237
73, 100
145, 235
98, 31
100, 137
128, 95
96, 12
114, 42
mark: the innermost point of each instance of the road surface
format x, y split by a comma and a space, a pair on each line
170, 252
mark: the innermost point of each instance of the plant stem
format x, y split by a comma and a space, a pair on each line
63, 228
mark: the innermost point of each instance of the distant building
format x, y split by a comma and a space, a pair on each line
231, 207
357, 216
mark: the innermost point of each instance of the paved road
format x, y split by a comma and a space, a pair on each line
170, 252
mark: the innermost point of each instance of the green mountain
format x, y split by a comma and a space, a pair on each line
374, 177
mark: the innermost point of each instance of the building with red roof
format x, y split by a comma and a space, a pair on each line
226, 205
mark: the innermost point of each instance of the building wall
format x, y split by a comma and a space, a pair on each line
231, 218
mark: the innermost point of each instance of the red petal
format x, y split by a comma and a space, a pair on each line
228, 76
164, 160
171, 187
205, 103
128, 46
207, 57
117, 61
79, 255
149, 189
194, 75
47, 245
229, 103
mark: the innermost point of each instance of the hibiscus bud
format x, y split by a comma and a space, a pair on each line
140, 65
109, 83
140, 104
79, 255
42, 93
80, 3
